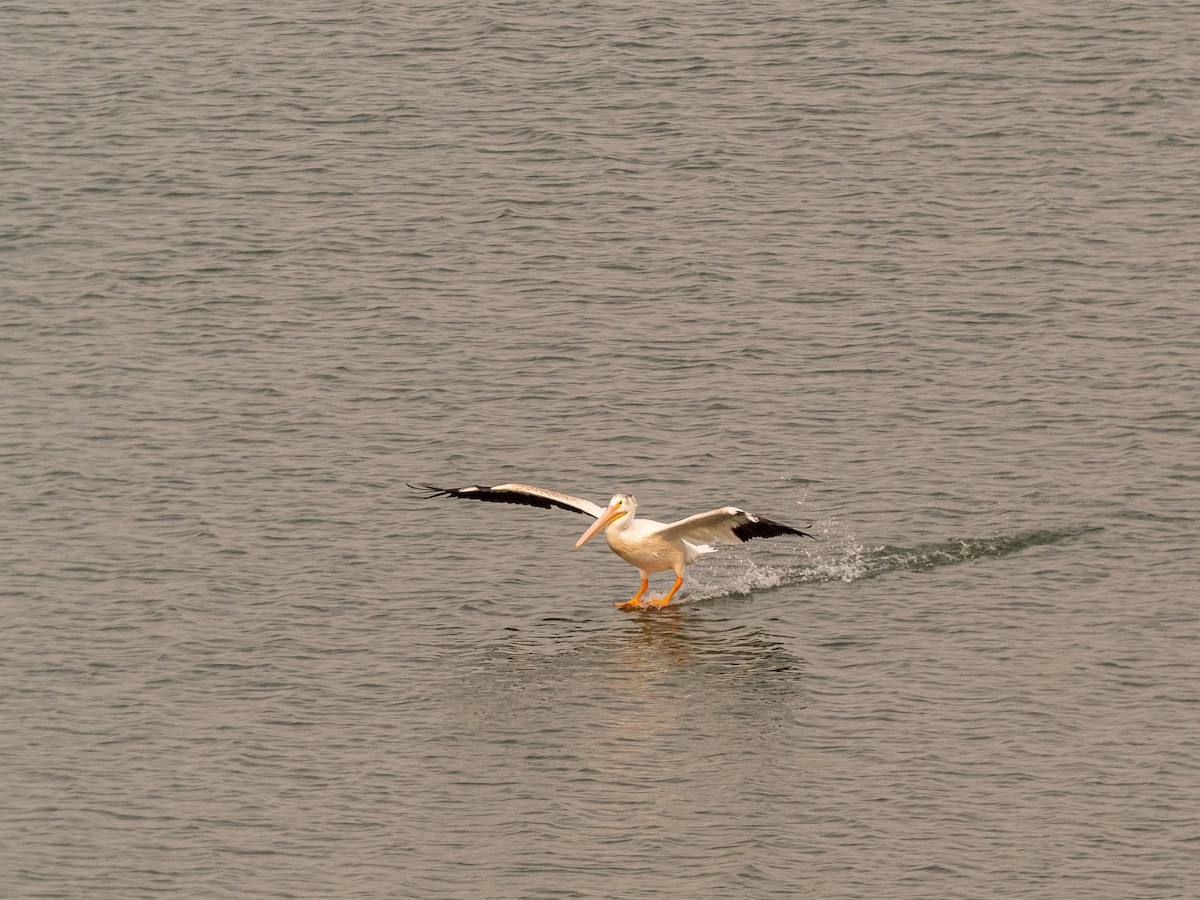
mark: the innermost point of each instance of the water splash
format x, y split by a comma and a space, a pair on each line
852, 561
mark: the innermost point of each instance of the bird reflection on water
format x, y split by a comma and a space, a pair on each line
695, 644
672, 669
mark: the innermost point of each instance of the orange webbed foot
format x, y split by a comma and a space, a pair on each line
635, 601
663, 601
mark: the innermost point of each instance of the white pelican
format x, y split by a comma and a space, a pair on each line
647, 545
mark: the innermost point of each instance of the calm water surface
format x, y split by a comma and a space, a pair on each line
921, 278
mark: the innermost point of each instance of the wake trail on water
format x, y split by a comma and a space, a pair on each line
849, 561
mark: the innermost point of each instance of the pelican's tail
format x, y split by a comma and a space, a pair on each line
694, 551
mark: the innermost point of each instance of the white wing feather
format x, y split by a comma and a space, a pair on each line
714, 525
727, 525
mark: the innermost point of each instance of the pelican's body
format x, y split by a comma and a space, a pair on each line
647, 545
642, 544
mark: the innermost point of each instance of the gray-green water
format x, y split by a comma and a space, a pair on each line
923, 277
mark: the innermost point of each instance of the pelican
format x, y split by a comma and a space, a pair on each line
647, 545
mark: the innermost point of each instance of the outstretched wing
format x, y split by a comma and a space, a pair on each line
524, 494
727, 525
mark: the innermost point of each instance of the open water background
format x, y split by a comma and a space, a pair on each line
921, 276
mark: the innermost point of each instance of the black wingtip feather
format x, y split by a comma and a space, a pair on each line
482, 492
430, 491
766, 528
434, 491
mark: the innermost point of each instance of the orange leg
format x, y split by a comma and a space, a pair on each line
636, 599
667, 599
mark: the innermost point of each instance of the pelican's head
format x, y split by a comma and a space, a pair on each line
620, 505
